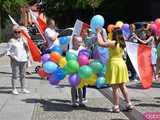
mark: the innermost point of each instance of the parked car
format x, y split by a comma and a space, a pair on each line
66, 32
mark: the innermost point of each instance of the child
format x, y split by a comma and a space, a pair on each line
77, 45
151, 43
17, 51
117, 73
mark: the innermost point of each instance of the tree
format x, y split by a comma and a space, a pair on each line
11, 7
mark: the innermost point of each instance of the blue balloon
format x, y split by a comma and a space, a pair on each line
49, 67
100, 82
56, 48
96, 21
59, 74
63, 40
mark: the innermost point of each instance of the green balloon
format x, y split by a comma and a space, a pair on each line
72, 66
85, 72
96, 66
71, 56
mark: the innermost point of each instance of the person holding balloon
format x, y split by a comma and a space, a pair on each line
77, 45
117, 73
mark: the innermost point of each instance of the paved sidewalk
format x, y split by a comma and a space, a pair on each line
48, 102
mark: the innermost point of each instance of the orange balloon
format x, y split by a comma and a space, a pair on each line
42, 73
55, 57
110, 28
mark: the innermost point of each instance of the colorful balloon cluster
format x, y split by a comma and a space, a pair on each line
81, 70
155, 26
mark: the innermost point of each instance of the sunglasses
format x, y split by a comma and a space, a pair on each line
17, 32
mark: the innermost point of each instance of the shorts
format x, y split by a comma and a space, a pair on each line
153, 56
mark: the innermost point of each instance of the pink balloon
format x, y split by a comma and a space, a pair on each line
83, 60
153, 27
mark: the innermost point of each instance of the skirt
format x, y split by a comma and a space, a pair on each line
117, 71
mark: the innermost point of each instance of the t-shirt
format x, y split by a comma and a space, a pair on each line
17, 50
49, 34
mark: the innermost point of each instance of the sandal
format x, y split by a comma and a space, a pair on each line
129, 107
114, 110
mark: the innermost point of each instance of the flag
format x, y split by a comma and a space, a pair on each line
42, 24
39, 25
79, 26
140, 56
35, 52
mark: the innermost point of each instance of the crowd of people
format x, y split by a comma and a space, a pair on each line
117, 74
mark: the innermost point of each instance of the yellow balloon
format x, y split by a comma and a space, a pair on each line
91, 80
119, 24
62, 62
81, 84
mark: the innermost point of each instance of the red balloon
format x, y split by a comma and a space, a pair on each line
55, 57
157, 22
42, 73
83, 60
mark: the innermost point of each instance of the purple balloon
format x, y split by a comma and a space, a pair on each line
125, 27
74, 80
84, 52
45, 58
52, 80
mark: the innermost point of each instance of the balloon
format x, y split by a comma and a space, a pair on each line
84, 52
157, 21
45, 58
59, 74
55, 57
110, 28
100, 82
49, 67
85, 72
74, 80
72, 66
119, 24
56, 48
96, 66
42, 73
83, 60
125, 27
62, 62
63, 40
153, 27
81, 84
103, 54
52, 80
71, 56
91, 80
96, 21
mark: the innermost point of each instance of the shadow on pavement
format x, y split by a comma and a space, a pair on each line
37, 78
5, 73
148, 105
62, 105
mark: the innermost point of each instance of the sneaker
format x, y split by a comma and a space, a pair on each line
82, 105
25, 91
74, 105
15, 92
84, 100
